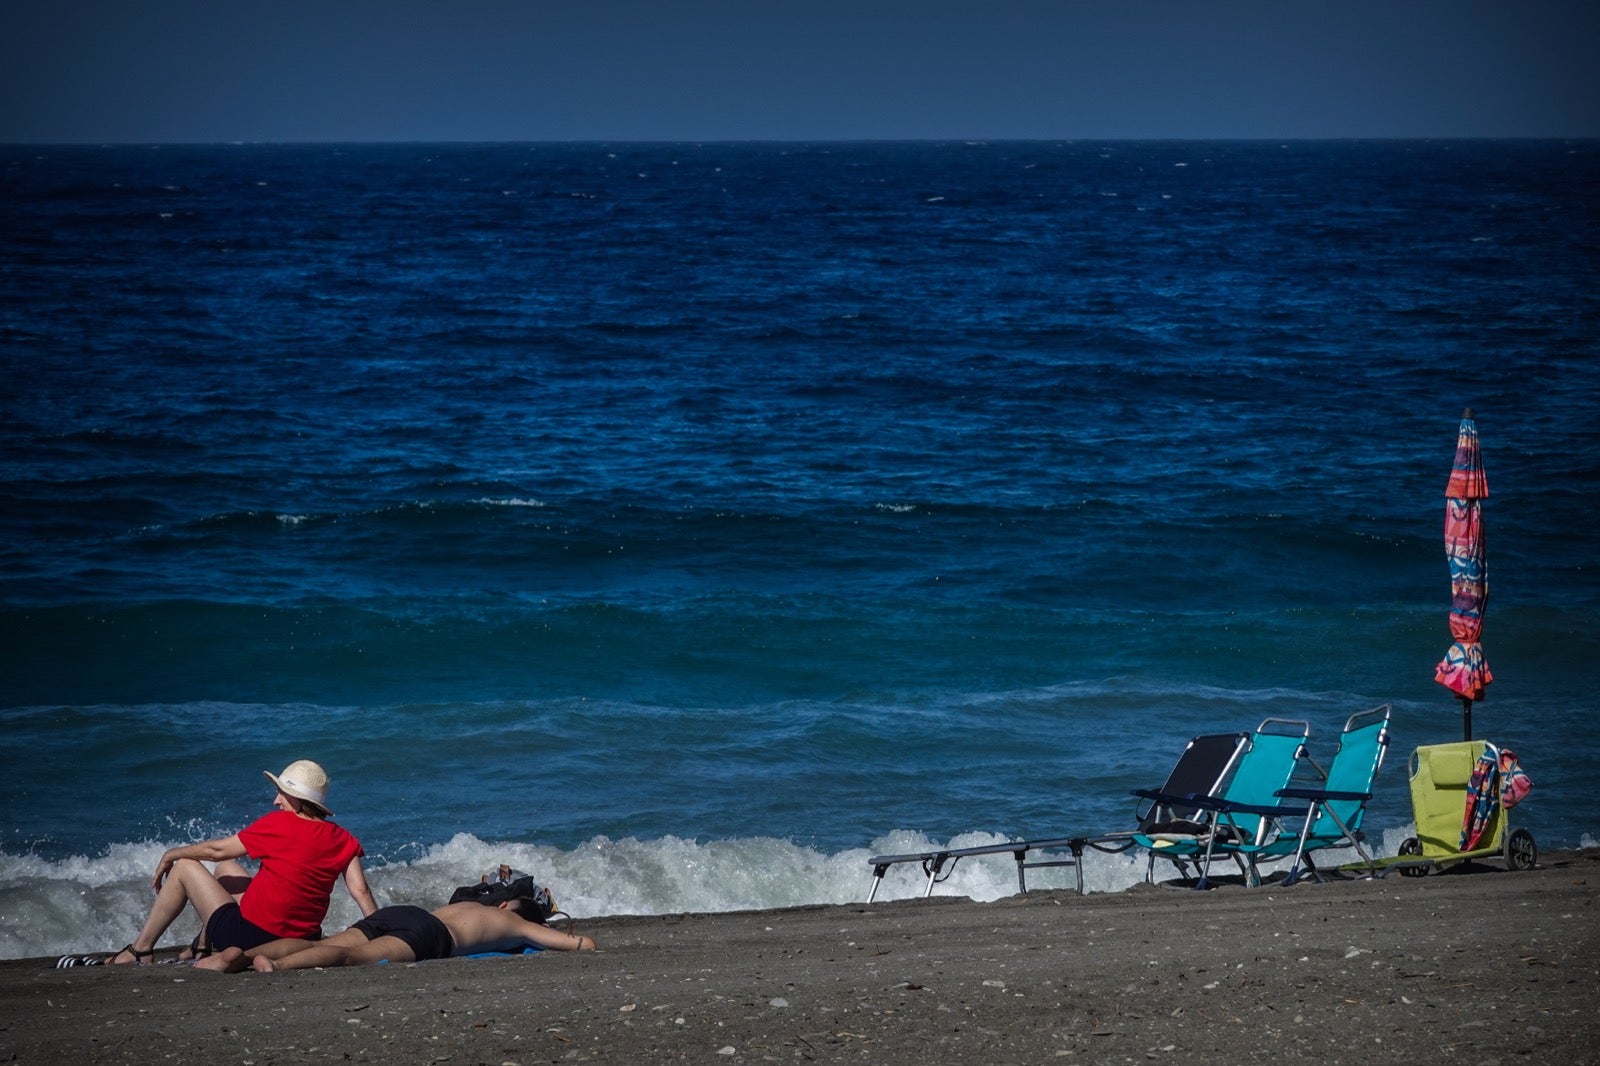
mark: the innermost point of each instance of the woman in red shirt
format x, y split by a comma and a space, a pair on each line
301, 854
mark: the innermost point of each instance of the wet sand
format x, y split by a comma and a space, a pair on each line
1474, 965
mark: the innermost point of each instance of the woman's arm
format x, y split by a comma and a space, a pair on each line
206, 851
356, 881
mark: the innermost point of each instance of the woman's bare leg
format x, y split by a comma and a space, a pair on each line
232, 876
187, 882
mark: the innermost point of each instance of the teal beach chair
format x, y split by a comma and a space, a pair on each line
1244, 810
1332, 811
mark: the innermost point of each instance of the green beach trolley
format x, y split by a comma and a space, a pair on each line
1441, 778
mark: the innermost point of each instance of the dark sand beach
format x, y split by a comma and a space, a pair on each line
1474, 965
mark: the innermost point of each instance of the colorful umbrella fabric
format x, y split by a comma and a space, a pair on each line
1463, 669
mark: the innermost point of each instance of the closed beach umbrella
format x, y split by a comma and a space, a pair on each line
1463, 669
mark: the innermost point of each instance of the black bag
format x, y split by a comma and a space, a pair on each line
493, 893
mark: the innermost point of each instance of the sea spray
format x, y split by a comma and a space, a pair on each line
83, 904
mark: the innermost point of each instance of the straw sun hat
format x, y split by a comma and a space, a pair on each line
304, 780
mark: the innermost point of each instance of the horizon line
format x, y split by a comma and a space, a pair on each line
955, 140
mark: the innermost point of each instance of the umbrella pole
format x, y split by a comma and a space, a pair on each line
1466, 717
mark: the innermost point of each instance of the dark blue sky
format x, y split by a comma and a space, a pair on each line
299, 70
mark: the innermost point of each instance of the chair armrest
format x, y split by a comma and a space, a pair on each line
1321, 794
1227, 807
1167, 799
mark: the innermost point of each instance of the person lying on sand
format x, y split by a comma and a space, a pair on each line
407, 934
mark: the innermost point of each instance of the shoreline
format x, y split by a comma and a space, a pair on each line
1474, 962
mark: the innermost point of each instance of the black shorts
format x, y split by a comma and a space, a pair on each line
228, 928
420, 931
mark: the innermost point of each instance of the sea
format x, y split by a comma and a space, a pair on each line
686, 523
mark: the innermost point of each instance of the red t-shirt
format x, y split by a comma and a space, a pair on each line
300, 859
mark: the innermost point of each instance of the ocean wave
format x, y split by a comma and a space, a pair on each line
512, 502
865, 518
88, 904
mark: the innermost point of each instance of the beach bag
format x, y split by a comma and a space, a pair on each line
506, 883
1514, 783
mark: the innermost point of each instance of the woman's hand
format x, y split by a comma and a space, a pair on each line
216, 850
163, 868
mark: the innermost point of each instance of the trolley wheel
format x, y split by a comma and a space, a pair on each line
1521, 852
1413, 846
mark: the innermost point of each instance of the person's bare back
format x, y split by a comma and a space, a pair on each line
476, 928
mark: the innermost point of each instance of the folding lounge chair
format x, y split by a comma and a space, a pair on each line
1239, 813
1335, 808
1200, 770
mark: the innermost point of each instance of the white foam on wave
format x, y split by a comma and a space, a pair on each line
510, 501
991, 877
84, 904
